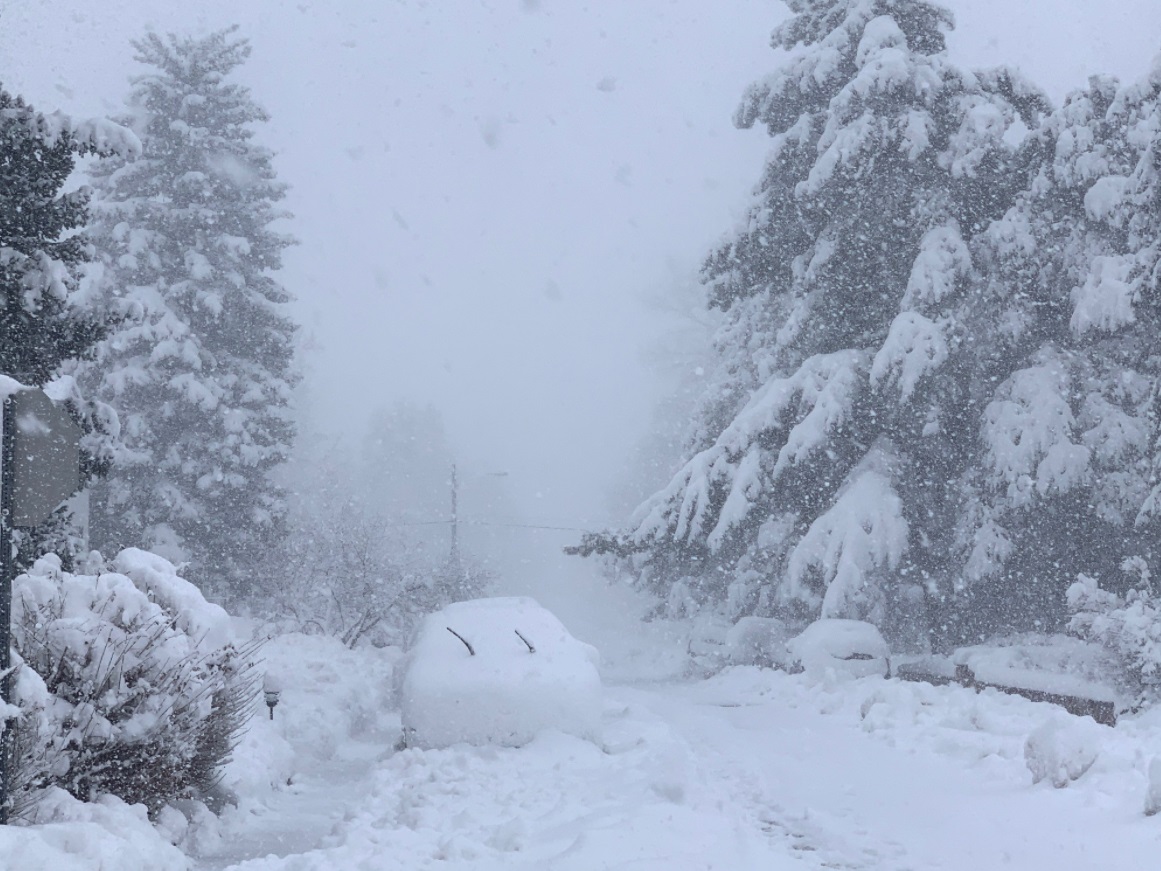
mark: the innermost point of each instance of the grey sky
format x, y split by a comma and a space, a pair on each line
485, 191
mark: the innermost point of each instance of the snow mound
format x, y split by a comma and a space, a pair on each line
1153, 795
69, 835
1060, 751
525, 673
841, 647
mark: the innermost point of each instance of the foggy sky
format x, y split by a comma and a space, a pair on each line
486, 192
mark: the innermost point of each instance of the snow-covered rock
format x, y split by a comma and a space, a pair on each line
1060, 751
850, 647
524, 673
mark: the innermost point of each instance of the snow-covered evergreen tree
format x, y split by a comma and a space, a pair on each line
823, 469
44, 322
39, 254
1069, 483
202, 369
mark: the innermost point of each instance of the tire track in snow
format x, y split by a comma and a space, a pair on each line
815, 838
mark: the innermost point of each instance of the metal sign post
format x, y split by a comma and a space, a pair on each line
39, 469
7, 571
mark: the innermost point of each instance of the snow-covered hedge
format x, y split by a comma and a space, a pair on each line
1128, 625
130, 683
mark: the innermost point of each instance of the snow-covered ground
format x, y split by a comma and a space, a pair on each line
749, 769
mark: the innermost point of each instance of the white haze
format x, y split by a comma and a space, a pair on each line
486, 192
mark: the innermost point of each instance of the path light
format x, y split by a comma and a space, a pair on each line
272, 688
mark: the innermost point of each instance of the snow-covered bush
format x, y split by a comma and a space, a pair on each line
1060, 751
130, 684
708, 644
1129, 625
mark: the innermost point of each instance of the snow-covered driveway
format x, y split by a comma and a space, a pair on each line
749, 770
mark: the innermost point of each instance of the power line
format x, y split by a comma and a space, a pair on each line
449, 522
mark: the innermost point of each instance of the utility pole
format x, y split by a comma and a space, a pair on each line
39, 468
7, 571
454, 555
455, 518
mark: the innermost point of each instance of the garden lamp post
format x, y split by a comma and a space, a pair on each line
271, 689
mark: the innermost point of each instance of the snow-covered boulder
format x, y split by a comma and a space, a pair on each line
1061, 751
849, 647
509, 671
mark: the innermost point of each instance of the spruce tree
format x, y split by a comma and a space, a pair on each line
45, 324
41, 253
1068, 483
822, 469
201, 371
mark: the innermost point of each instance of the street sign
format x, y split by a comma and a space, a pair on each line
46, 466
40, 467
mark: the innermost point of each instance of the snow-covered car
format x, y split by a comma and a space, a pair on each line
715, 643
497, 671
850, 647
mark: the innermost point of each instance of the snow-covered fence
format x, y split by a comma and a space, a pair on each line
942, 672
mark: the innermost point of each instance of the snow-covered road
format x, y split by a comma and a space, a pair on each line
750, 769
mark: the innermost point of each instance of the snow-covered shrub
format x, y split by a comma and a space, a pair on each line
1060, 751
1129, 625
130, 684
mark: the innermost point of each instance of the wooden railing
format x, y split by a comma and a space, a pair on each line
1103, 711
